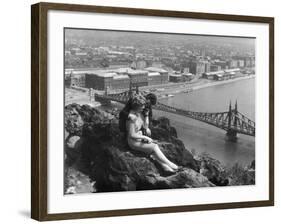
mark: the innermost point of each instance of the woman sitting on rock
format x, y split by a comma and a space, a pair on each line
137, 121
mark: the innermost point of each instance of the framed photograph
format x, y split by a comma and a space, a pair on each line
141, 111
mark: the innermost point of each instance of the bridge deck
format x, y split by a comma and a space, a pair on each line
227, 120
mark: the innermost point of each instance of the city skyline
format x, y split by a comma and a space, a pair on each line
95, 34
194, 54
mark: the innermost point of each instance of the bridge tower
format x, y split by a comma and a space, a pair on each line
232, 130
130, 89
91, 95
106, 91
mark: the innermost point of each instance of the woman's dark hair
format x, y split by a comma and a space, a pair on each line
128, 106
123, 116
137, 101
133, 102
152, 98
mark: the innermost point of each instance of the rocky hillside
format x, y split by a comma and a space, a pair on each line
97, 158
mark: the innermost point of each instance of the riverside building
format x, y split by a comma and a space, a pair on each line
122, 78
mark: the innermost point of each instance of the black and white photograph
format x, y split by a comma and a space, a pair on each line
155, 111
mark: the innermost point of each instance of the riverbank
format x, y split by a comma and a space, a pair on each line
162, 91
216, 83
200, 84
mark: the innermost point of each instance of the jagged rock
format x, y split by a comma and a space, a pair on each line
118, 170
77, 116
239, 175
77, 182
73, 121
162, 130
73, 148
253, 165
213, 170
72, 141
108, 160
187, 178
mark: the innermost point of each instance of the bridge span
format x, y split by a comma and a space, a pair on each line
232, 121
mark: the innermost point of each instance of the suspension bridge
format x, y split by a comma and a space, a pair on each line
232, 121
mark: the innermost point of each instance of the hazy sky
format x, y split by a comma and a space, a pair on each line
90, 36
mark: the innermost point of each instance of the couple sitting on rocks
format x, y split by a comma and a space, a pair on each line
134, 122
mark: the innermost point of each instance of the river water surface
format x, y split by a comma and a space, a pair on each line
200, 137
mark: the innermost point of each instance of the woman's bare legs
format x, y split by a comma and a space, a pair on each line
165, 167
154, 150
161, 158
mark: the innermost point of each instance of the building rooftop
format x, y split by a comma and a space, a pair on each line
106, 74
121, 77
123, 70
187, 74
79, 72
155, 69
102, 73
232, 70
214, 73
153, 74
137, 72
176, 75
219, 75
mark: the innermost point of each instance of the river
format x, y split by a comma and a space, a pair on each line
200, 137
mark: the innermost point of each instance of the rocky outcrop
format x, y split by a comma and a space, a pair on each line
239, 175
97, 158
213, 170
95, 147
118, 168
